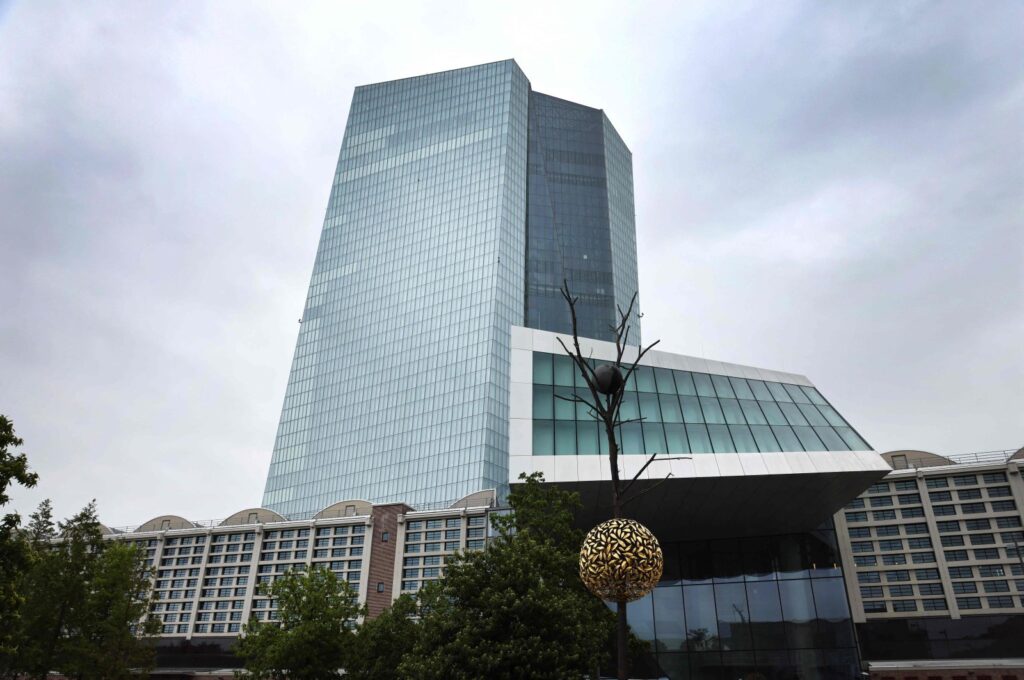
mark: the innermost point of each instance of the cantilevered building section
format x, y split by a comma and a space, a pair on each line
756, 451
460, 202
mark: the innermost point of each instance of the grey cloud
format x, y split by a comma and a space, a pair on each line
825, 188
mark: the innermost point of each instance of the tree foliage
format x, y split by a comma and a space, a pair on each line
313, 632
518, 608
383, 642
14, 549
69, 601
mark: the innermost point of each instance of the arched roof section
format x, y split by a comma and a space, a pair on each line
166, 522
351, 508
909, 458
478, 499
253, 516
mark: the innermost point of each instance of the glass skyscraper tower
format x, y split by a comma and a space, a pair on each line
460, 202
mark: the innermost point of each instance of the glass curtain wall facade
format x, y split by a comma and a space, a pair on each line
770, 607
399, 382
580, 225
685, 412
460, 202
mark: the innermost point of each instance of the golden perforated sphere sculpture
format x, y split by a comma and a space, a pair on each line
620, 560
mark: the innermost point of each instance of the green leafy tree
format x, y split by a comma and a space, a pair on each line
518, 608
116, 636
313, 633
14, 549
57, 590
383, 642
40, 528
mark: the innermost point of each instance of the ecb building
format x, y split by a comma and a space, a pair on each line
427, 369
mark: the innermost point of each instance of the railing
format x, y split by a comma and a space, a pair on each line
983, 456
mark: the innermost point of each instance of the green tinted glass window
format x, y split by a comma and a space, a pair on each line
712, 411
704, 386
732, 411
697, 434
752, 412
542, 374
743, 439
684, 383
691, 409
740, 387
787, 438
543, 403
675, 436
670, 409
723, 388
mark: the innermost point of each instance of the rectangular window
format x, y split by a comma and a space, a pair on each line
944, 510
888, 530
875, 607
931, 589
894, 559
983, 539
1004, 602
991, 570
901, 591
961, 572
977, 524
951, 541
911, 513
940, 496
909, 498
884, 515
926, 574
996, 586
935, 605
994, 477
999, 492
859, 532
947, 527
890, 545
986, 554
880, 487
856, 517
923, 558
968, 494
937, 482
919, 543
868, 592
897, 575
865, 560
904, 606
862, 546
965, 480
869, 577
972, 508
961, 587
1002, 506
881, 501
906, 485
956, 555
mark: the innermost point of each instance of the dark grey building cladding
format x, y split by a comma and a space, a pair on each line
568, 225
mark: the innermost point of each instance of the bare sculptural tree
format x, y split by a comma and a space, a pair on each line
607, 385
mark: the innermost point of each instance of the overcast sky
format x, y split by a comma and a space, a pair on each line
833, 189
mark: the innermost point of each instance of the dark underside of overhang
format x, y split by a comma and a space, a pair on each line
720, 507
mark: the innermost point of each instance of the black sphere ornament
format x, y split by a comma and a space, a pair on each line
608, 378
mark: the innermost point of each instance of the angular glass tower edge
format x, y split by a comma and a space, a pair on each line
460, 202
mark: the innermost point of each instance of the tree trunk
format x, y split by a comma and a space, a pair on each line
621, 640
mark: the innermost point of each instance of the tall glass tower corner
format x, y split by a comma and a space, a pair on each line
460, 202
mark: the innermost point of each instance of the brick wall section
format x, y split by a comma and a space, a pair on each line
384, 518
